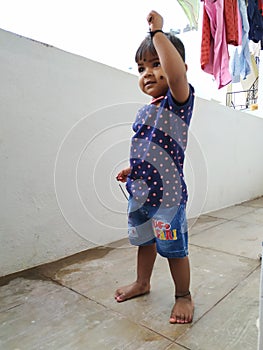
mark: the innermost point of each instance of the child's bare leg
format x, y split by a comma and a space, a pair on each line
183, 309
145, 260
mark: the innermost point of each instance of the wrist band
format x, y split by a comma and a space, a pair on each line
154, 32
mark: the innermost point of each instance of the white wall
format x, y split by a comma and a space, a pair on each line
224, 151
44, 92
65, 130
260, 86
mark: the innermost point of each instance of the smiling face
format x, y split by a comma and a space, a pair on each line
152, 80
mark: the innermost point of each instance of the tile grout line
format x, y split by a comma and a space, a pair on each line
219, 301
11, 307
235, 219
252, 210
209, 228
182, 346
119, 313
224, 252
227, 294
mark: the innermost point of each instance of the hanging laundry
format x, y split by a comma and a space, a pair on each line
191, 9
206, 40
240, 61
233, 22
254, 49
214, 50
260, 6
255, 20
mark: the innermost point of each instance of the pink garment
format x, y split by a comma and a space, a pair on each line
218, 64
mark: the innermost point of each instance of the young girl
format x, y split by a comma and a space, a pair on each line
155, 180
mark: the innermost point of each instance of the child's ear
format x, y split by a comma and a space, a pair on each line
186, 67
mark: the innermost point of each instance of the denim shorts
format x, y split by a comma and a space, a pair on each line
167, 227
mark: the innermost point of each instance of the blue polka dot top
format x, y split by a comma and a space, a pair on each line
157, 152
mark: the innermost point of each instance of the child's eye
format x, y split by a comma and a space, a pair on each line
140, 69
156, 64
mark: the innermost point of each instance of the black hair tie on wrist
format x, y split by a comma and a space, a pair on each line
154, 32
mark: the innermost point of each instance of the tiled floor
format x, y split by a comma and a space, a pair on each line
69, 304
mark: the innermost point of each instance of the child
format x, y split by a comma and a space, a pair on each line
155, 180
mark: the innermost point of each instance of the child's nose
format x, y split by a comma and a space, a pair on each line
148, 71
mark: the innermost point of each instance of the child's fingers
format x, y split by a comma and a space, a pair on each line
150, 18
120, 177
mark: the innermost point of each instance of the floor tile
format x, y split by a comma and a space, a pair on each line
204, 222
256, 203
254, 217
231, 212
234, 237
211, 277
230, 325
61, 319
98, 267
70, 305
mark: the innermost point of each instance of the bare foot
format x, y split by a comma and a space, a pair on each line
131, 291
183, 310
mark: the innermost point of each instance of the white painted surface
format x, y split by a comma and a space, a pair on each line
260, 86
229, 142
260, 320
65, 130
44, 93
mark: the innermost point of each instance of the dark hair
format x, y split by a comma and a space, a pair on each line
147, 46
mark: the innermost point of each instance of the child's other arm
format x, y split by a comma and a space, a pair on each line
122, 176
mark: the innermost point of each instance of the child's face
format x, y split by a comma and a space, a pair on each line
152, 80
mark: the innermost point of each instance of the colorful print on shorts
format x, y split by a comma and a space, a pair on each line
163, 231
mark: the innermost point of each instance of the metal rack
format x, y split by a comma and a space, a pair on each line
243, 99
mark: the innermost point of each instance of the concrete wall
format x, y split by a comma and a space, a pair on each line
44, 93
224, 164
65, 130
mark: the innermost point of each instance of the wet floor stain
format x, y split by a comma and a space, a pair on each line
48, 271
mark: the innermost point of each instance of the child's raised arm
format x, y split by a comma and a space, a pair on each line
170, 60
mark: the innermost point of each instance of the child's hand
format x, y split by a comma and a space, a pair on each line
155, 21
122, 176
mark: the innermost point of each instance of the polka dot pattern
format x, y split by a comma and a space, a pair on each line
157, 152
206, 40
231, 14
